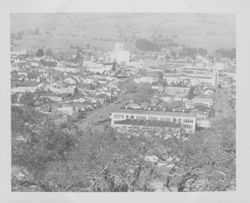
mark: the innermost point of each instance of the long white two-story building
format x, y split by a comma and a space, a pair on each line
130, 118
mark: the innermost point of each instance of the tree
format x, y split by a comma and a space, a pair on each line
76, 91
40, 53
225, 53
27, 99
48, 52
45, 144
202, 52
64, 160
146, 45
48, 63
208, 159
143, 72
191, 93
33, 75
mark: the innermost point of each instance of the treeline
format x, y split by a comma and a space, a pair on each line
192, 52
226, 53
146, 45
41, 52
20, 34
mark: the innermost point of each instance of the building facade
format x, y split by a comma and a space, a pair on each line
119, 55
128, 117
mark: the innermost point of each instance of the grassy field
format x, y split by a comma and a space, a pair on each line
210, 31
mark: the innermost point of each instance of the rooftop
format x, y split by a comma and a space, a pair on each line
201, 77
148, 123
161, 113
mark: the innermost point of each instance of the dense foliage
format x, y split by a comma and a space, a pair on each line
225, 53
146, 45
62, 158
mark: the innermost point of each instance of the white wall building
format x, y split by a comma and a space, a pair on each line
119, 55
96, 67
186, 120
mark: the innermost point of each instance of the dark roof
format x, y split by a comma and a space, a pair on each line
201, 77
160, 124
195, 69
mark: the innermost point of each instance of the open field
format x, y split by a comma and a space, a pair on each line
59, 31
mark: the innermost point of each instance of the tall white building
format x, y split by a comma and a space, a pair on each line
119, 55
126, 118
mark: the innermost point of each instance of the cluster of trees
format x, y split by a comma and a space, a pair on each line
209, 158
41, 52
34, 74
30, 99
63, 158
143, 93
191, 52
146, 45
19, 34
48, 63
57, 161
165, 41
192, 93
225, 53
45, 143
156, 45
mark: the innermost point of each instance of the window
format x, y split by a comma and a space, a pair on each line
188, 126
166, 119
188, 120
118, 116
153, 118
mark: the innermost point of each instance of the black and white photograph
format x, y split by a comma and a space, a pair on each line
123, 102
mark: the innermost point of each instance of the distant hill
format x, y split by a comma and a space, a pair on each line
58, 31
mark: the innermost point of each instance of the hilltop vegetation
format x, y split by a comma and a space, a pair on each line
103, 30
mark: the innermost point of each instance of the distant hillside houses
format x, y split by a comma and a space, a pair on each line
94, 67
176, 90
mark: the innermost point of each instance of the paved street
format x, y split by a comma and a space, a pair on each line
104, 112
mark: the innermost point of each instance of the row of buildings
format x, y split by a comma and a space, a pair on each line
183, 91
